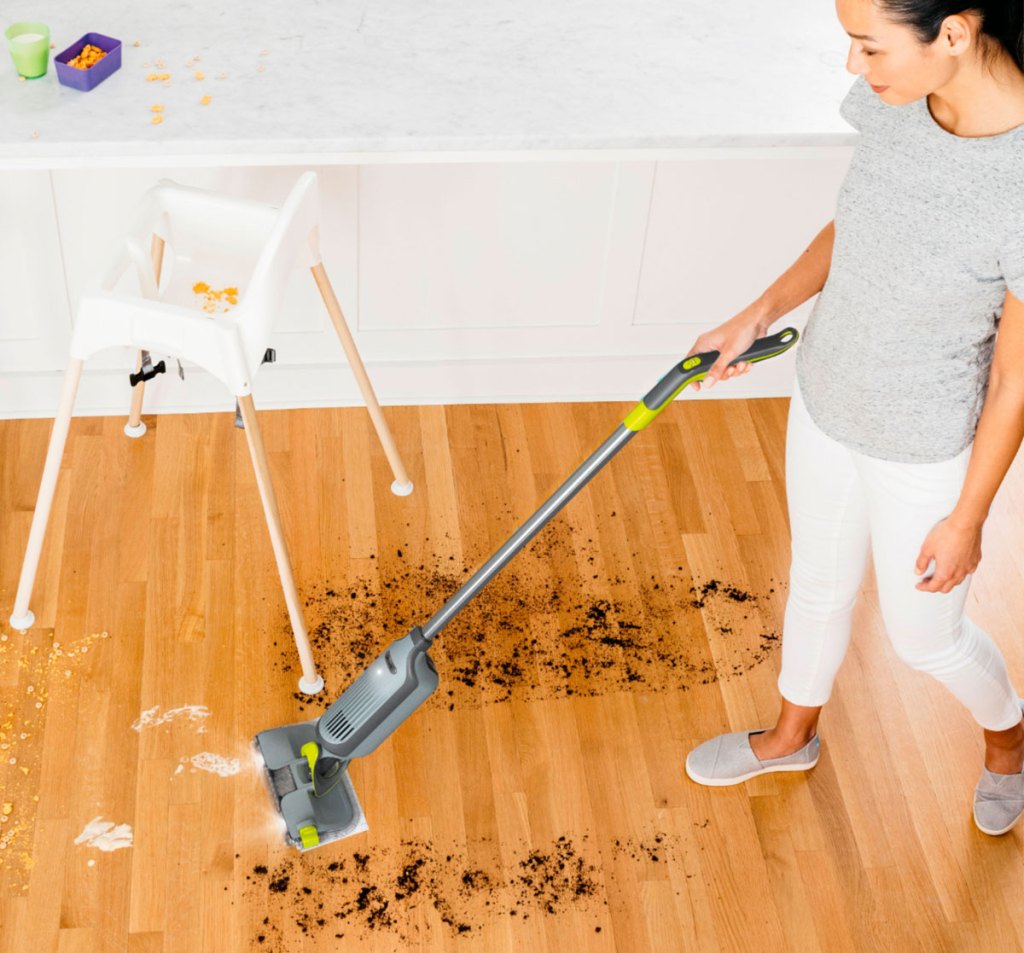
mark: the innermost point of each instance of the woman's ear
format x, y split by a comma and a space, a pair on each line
958, 32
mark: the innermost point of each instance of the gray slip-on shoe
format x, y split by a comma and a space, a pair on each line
729, 759
998, 800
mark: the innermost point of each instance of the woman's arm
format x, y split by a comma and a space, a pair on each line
955, 543
1001, 426
802, 280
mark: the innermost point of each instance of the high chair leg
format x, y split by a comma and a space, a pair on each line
311, 682
402, 485
22, 618
135, 427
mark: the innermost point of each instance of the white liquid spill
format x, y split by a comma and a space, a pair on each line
104, 835
214, 763
150, 719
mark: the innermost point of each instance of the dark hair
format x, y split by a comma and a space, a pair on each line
1002, 21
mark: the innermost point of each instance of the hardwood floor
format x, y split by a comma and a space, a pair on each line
537, 800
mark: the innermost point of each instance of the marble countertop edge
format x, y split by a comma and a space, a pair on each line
35, 154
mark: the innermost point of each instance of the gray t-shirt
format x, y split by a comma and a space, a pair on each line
929, 234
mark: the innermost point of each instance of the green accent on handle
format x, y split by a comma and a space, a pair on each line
641, 415
311, 751
638, 418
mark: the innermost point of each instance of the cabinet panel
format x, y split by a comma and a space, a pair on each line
721, 232
483, 246
34, 324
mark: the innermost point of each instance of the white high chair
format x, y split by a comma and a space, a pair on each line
198, 235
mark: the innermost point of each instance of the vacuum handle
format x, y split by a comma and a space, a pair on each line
695, 368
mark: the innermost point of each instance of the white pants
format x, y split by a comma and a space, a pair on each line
840, 501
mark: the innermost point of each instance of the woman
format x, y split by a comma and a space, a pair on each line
908, 407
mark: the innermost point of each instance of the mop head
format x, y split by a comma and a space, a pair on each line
310, 821
307, 763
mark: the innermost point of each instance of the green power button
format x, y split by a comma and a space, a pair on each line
690, 363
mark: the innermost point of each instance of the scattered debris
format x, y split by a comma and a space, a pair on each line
44, 666
525, 637
389, 889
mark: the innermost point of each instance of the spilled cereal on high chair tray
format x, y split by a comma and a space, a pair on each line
213, 301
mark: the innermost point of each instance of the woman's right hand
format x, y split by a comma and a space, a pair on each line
730, 340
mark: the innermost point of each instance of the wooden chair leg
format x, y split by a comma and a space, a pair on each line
22, 618
311, 682
135, 427
402, 485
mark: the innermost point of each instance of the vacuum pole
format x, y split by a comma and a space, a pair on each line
580, 477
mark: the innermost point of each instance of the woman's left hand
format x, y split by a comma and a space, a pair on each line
956, 549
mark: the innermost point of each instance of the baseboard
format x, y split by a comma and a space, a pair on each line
485, 380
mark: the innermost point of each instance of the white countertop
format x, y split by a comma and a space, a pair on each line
335, 80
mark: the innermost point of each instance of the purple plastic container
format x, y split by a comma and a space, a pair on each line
86, 79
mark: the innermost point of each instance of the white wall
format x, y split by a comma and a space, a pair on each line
461, 282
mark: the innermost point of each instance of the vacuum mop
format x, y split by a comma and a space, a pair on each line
307, 763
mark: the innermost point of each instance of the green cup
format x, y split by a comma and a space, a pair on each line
29, 44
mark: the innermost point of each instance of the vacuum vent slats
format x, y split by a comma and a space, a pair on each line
353, 707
